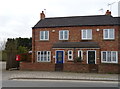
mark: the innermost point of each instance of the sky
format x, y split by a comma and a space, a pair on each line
17, 17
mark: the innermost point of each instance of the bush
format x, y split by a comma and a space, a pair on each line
79, 59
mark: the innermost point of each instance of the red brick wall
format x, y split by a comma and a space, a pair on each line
78, 67
37, 66
105, 45
108, 68
119, 45
75, 36
75, 51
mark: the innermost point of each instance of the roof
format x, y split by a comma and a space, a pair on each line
96, 20
76, 45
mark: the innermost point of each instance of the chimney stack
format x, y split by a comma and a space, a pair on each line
108, 13
42, 15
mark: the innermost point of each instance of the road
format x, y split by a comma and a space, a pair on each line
51, 83
57, 83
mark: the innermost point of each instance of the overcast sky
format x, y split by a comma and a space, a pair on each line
18, 16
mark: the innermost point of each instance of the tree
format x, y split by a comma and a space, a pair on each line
11, 50
22, 49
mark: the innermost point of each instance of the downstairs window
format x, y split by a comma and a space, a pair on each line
109, 56
43, 56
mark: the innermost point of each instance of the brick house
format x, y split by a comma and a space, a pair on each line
77, 44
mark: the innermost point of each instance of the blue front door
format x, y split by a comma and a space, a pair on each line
59, 57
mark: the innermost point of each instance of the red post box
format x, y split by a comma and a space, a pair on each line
17, 57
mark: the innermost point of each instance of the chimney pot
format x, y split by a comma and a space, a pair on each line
108, 12
42, 15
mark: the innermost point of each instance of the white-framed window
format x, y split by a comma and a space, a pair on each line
44, 35
108, 34
43, 56
63, 35
86, 34
80, 54
109, 56
70, 55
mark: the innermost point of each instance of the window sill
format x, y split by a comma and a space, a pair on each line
63, 40
108, 39
109, 62
86, 39
44, 40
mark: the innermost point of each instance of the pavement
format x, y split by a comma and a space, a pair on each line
19, 74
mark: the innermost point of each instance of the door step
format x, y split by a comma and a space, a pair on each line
58, 67
93, 68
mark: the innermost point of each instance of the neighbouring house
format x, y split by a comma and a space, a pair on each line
76, 44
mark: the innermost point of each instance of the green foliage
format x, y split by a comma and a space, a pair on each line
22, 49
21, 45
24, 42
3, 56
79, 59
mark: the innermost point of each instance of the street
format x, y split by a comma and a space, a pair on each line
7, 82
57, 83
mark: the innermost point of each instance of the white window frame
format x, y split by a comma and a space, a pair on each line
81, 53
39, 60
44, 35
111, 57
64, 35
70, 55
108, 34
86, 38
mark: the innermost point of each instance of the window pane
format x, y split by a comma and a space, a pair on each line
45, 56
114, 56
42, 35
79, 55
65, 34
42, 55
83, 33
70, 57
89, 34
104, 56
70, 52
111, 33
61, 34
46, 34
109, 57
106, 33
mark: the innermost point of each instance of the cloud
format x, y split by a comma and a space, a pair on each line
18, 16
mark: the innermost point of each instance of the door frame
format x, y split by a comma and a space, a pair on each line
56, 56
95, 55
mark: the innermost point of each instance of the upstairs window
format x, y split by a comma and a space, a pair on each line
63, 35
86, 34
108, 34
44, 35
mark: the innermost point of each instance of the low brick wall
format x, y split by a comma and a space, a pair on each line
109, 68
37, 66
83, 68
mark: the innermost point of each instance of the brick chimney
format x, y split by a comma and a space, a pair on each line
42, 15
108, 12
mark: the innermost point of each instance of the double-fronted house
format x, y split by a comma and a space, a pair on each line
76, 44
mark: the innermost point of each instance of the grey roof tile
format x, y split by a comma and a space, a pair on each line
97, 20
